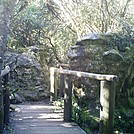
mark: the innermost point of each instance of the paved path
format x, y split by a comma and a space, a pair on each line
41, 119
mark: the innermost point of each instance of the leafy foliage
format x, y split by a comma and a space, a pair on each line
63, 22
84, 118
52, 26
107, 15
34, 25
124, 121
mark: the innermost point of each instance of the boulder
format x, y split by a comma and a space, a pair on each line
103, 54
26, 75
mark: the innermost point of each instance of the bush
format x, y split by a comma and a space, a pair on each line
124, 120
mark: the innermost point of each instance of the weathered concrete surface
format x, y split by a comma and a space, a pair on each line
41, 119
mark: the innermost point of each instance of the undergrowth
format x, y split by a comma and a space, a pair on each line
123, 123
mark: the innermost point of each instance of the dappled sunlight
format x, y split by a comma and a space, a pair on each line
28, 117
35, 112
68, 124
17, 109
78, 74
38, 107
42, 119
50, 115
106, 94
95, 37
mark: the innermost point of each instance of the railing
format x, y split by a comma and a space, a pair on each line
107, 95
5, 102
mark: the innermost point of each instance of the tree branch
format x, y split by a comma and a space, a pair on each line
53, 48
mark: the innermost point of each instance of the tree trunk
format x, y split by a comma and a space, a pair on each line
6, 7
2, 50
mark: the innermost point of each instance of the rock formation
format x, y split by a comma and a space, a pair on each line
26, 76
103, 54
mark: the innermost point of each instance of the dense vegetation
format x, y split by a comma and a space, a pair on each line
52, 26
56, 25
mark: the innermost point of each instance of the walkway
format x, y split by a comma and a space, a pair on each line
41, 119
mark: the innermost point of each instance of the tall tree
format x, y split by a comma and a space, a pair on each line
6, 7
84, 16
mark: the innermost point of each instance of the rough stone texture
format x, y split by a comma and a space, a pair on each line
27, 76
97, 53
